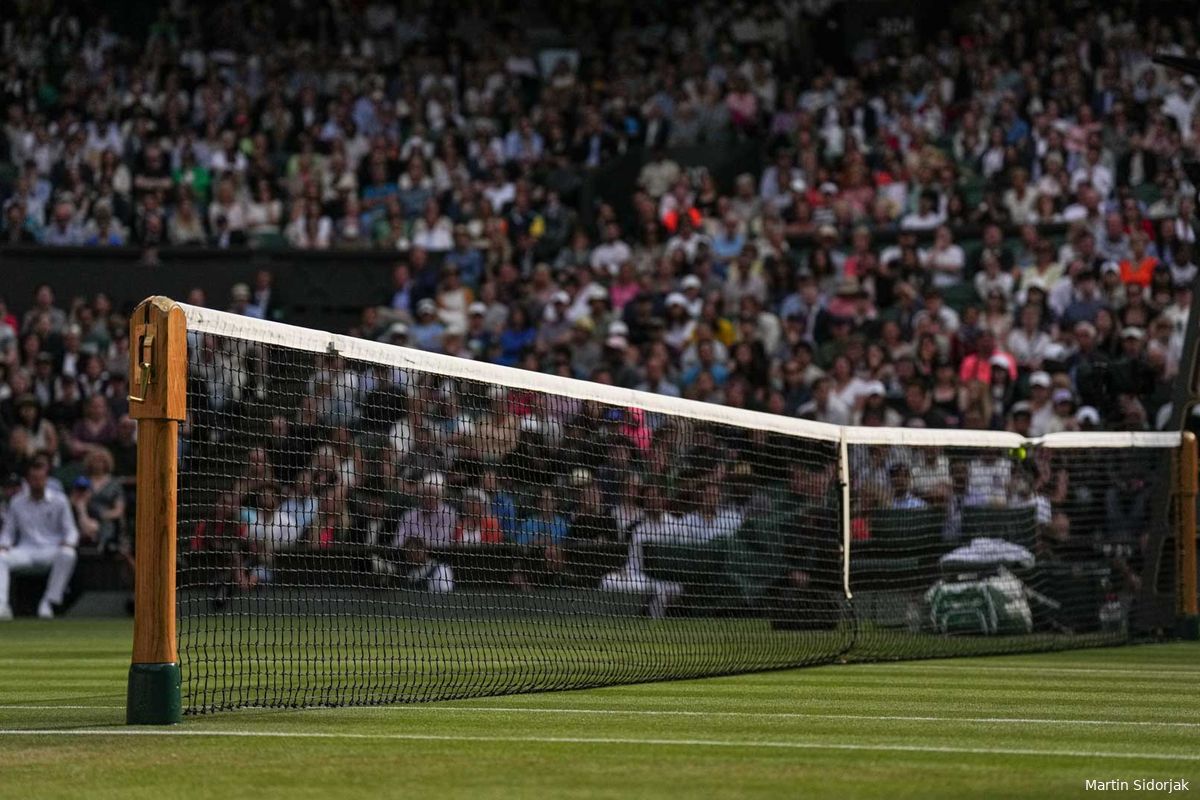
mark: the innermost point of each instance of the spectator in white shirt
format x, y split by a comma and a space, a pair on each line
613, 252
824, 405
38, 536
992, 277
1028, 342
656, 525
902, 498
1094, 173
711, 520
926, 217
433, 520
944, 259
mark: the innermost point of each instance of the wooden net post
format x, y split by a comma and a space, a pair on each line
157, 400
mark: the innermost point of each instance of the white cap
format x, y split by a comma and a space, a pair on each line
477, 308
875, 387
426, 305
1133, 332
1054, 352
1110, 266
998, 361
676, 299
396, 329
1087, 414
1063, 396
618, 328
560, 297
617, 342
690, 282
1040, 378
596, 292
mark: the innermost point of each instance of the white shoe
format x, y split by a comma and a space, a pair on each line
45, 610
5, 613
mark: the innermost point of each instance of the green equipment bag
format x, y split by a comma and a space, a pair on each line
988, 606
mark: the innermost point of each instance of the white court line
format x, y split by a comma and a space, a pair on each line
57, 708
919, 665
779, 745
608, 712
791, 715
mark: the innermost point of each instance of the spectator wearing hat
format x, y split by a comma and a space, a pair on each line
1087, 418
585, 348
1041, 406
1020, 418
978, 365
680, 325
396, 334
1129, 373
1111, 287
1063, 418
555, 328
426, 332
432, 520
478, 337
874, 407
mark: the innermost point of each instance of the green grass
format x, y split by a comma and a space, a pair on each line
1013, 726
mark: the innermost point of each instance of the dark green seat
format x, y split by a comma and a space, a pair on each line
1016, 525
960, 295
900, 551
688, 564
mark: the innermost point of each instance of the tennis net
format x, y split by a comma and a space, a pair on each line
360, 523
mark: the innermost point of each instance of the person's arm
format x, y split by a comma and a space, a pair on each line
8, 532
51, 437
69, 530
117, 511
89, 528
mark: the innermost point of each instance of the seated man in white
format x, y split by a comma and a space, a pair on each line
656, 525
712, 520
38, 536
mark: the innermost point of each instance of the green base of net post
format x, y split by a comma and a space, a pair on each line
1188, 628
154, 696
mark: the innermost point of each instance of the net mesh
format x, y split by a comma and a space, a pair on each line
356, 532
965, 550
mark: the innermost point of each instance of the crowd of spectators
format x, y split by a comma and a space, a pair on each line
992, 221
988, 228
64, 406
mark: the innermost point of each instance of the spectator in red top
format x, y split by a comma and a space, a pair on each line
476, 525
1139, 267
978, 365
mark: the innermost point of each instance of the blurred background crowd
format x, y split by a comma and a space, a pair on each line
986, 228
